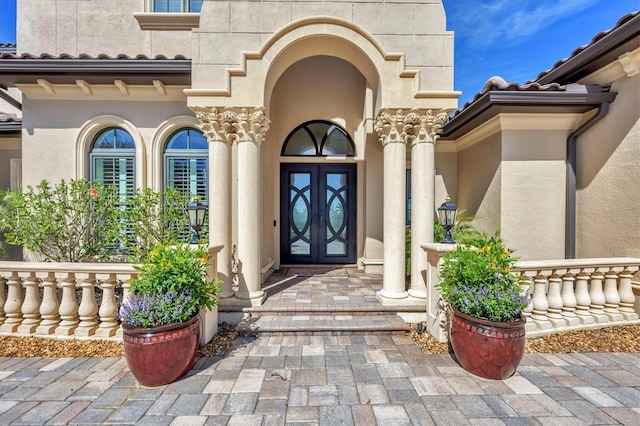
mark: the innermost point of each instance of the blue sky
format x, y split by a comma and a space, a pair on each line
515, 39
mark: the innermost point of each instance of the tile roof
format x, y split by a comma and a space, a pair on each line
498, 83
84, 56
542, 84
7, 47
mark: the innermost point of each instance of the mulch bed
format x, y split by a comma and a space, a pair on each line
610, 339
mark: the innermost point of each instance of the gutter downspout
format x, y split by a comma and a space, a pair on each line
570, 218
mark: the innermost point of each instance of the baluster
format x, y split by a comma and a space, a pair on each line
13, 305
31, 305
597, 297
88, 308
68, 306
3, 298
540, 303
525, 284
627, 299
108, 308
583, 299
611, 296
569, 301
555, 302
126, 289
50, 306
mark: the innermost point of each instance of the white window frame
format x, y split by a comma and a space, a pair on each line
88, 133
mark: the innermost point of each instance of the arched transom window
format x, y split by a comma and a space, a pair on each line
320, 139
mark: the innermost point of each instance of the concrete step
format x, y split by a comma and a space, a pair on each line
322, 323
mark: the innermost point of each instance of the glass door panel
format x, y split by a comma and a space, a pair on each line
318, 214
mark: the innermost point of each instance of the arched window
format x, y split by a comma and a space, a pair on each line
113, 160
186, 163
320, 139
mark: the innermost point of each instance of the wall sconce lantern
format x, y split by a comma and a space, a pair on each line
197, 212
447, 215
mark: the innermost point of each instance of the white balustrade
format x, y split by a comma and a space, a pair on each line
566, 294
60, 312
579, 293
23, 312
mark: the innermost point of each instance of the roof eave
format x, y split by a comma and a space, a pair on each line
497, 102
25, 70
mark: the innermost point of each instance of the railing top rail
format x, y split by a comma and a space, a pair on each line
576, 263
97, 268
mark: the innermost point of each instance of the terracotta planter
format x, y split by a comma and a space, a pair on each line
485, 348
160, 355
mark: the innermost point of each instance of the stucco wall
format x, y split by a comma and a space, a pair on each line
513, 180
415, 28
608, 178
479, 183
93, 27
50, 132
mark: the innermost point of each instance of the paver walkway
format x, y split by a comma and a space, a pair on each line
327, 380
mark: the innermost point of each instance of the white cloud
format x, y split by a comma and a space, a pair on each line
507, 22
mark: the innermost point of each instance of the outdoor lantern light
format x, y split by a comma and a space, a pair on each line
447, 214
197, 211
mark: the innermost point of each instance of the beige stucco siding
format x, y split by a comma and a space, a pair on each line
93, 27
479, 183
51, 129
608, 183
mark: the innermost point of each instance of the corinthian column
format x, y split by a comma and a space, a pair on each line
218, 126
425, 126
393, 131
252, 125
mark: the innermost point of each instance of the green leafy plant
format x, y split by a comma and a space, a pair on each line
476, 279
172, 286
153, 218
461, 232
5, 198
69, 222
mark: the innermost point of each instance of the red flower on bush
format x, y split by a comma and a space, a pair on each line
93, 192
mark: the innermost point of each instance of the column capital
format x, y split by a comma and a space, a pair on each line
416, 125
231, 124
425, 130
217, 124
252, 125
394, 127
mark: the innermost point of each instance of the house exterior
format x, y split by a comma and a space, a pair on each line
300, 122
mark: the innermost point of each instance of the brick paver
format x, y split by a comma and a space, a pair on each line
325, 378
431, 389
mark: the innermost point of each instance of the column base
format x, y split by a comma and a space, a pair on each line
417, 294
253, 298
387, 298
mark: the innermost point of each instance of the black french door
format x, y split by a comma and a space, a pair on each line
318, 213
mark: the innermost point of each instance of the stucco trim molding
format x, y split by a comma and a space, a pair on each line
168, 21
88, 132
